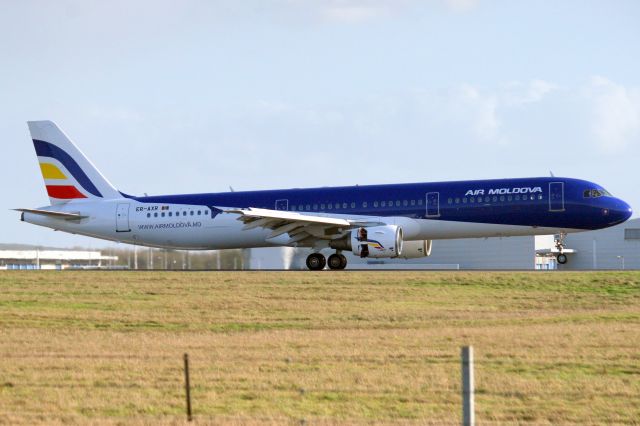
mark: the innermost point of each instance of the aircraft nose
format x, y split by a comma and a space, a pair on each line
620, 211
627, 211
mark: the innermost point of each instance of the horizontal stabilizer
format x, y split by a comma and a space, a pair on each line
57, 215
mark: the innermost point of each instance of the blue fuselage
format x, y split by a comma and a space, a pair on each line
537, 202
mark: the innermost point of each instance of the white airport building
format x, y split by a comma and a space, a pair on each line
53, 259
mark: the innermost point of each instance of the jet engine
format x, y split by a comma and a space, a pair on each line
374, 241
416, 249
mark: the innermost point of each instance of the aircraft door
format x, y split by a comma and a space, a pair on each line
433, 204
122, 218
556, 196
282, 205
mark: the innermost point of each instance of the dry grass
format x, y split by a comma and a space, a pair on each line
348, 348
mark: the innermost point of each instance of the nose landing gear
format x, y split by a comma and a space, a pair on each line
559, 241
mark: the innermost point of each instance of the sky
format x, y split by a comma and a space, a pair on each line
169, 96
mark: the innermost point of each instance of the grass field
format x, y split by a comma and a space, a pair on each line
352, 347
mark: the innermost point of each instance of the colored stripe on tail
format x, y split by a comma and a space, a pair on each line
67, 172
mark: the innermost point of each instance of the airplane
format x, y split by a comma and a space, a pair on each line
375, 221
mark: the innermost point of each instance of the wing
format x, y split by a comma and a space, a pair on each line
302, 229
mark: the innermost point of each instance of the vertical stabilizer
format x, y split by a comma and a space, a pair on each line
68, 174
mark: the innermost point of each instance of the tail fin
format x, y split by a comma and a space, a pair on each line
68, 174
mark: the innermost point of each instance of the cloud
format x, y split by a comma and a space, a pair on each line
353, 14
364, 11
480, 110
114, 114
615, 111
518, 93
477, 110
461, 6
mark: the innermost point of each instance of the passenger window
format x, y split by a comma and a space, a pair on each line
539, 196
184, 213
405, 203
315, 207
162, 214
397, 203
198, 212
495, 199
390, 204
464, 200
533, 197
353, 205
510, 198
457, 200
413, 202
337, 206
191, 212
420, 202
384, 204
329, 206
293, 208
344, 205
155, 215
364, 204
450, 201
322, 206
375, 204
487, 199
502, 198
148, 214
170, 214
517, 197
472, 200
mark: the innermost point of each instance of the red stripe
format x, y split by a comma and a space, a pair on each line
64, 192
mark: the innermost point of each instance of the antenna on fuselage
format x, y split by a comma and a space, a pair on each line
231, 189
551, 173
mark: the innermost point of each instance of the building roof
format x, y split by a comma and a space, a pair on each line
53, 255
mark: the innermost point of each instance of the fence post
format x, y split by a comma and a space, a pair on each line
187, 385
468, 406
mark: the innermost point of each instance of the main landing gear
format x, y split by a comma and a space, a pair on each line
337, 261
317, 262
561, 257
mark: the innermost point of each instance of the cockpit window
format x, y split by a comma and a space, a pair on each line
595, 193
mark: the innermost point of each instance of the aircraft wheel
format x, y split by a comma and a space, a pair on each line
562, 258
343, 261
316, 262
335, 261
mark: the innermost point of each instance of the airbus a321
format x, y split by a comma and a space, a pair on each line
375, 221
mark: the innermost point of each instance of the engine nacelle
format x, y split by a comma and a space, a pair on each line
377, 241
416, 249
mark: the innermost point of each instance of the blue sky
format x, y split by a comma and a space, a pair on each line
194, 96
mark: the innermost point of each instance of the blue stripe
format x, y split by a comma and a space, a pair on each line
46, 149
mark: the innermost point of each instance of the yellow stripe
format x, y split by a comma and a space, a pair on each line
50, 171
